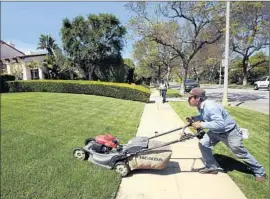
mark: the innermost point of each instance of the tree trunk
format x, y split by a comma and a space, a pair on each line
90, 72
196, 74
71, 76
168, 73
185, 66
159, 73
245, 73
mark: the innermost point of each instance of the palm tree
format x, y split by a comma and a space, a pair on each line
48, 43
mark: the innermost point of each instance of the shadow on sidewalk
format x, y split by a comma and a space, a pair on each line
231, 164
166, 171
226, 163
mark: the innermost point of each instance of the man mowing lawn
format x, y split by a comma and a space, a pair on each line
221, 127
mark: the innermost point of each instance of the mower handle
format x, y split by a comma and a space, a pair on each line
177, 129
186, 136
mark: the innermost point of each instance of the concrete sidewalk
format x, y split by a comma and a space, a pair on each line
176, 181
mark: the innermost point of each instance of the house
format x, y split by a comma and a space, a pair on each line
16, 62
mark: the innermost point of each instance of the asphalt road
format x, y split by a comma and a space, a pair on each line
247, 98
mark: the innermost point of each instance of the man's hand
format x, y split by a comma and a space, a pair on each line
197, 125
189, 119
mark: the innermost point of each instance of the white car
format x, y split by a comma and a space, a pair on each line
263, 82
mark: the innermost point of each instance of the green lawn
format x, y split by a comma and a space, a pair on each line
38, 134
173, 93
257, 144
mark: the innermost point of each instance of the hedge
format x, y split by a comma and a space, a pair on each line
107, 89
4, 79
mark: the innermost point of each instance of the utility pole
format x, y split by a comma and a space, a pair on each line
225, 92
220, 68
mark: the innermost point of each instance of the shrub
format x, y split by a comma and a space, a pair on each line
4, 79
107, 89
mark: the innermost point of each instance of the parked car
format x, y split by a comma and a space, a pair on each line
190, 84
262, 82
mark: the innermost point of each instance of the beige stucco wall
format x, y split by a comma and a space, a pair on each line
26, 70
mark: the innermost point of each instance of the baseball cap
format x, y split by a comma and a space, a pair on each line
196, 92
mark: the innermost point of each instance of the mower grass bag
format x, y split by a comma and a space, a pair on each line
154, 159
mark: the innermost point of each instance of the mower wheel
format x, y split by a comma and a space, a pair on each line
80, 154
122, 168
88, 140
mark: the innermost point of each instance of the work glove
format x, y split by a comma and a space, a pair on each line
200, 134
190, 119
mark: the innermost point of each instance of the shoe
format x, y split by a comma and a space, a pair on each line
197, 170
208, 171
260, 178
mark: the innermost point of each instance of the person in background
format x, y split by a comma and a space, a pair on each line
222, 127
163, 86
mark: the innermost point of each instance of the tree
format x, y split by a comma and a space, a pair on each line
185, 29
33, 64
92, 41
154, 60
129, 68
249, 32
48, 43
257, 67
17, 70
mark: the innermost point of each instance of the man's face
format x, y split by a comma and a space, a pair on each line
193, 101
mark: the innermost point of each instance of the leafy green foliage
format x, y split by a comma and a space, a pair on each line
93, 42
115, 90
46, 42
4, 79
258, 67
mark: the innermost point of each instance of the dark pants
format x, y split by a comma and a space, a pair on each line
163, 94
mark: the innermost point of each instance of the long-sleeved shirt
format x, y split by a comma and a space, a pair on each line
215, 117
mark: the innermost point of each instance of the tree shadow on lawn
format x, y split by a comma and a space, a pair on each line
230, 164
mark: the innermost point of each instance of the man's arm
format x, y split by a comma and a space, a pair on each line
216, 122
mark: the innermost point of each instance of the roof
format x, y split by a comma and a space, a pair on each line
22, 57
2, 42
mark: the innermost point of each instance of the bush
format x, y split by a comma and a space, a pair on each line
107, 89
4, 79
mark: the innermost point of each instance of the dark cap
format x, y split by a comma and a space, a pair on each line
196, 92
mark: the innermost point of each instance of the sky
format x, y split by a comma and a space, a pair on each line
22, 23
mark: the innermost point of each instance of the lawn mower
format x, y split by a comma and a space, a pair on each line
138, 153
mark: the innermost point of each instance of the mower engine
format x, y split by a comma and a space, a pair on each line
103, 143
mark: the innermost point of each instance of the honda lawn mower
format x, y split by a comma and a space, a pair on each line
138, 153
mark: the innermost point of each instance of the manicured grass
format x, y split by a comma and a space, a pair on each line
173, 93
38, 134
257, 144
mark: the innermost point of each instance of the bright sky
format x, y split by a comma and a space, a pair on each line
22, 23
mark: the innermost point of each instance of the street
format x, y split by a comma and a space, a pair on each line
246, 98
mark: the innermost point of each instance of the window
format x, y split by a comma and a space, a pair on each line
190, 81
3, 68
34, 73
